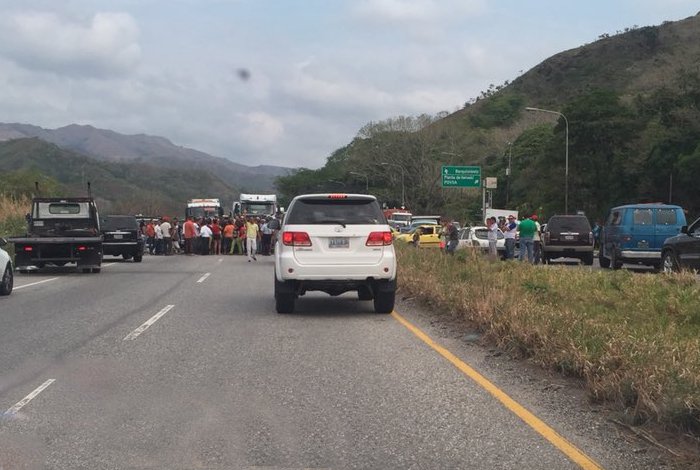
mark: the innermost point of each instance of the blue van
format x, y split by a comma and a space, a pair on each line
635, 233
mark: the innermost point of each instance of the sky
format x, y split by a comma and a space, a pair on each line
280, 82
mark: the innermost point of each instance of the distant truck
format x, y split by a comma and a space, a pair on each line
207, 208
398, 217
60, 231
257, 205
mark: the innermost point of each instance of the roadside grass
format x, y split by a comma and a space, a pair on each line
12, 222
634, 339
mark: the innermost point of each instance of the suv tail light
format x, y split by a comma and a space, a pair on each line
379, 239
591, 240
296, 239
546, 237
28, 248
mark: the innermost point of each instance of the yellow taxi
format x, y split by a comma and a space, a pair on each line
430, 237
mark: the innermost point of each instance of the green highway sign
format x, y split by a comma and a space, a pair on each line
461, 176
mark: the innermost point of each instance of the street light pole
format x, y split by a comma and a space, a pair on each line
566, 171
508, 171
403, 185
365, 177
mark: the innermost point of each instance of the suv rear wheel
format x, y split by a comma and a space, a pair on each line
384, 301
364, 293
284, 300
587, 259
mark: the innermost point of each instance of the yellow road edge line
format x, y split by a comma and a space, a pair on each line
566, 447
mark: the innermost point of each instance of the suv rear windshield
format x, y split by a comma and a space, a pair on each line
119, 222
336, 211
568, 224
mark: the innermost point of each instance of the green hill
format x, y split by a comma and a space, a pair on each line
118, 187
632, 101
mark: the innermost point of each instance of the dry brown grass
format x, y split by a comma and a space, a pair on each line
634, 339
12, 211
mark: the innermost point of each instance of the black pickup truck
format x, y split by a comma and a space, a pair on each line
60, 231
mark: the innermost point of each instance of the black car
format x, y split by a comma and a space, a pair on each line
683, 250
568, 236
122, 237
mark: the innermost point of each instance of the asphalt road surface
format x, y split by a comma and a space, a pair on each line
181, 362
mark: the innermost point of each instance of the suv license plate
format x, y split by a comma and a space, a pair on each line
568, 237
339, 243
118, 236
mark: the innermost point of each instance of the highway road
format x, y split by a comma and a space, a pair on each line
181, 362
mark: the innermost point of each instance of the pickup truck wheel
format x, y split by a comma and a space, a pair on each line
364, 293
138, 258
384, 302
126, 257
7, 281
96, 270
85, 270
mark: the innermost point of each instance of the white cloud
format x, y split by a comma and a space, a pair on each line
261, 129
104, 45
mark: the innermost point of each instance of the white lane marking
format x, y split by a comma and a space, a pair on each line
135, 334
35, 283
20, 404
107, 264
204, 278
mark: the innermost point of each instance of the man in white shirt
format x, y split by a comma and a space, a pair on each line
159, 238
205, 235
492, 236
166, 228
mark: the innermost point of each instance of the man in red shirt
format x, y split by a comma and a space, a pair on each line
188, 232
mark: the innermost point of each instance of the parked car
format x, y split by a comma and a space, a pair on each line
418, 223
122, 237
334, 243
7, 279
635, 233
430, 237
568, 236
477, 237
683, 250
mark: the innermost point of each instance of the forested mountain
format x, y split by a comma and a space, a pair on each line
111, 146
119, 187
632, 102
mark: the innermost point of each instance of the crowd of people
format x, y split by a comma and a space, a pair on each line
528, 230
241, 235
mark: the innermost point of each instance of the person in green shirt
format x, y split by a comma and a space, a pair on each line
527, 229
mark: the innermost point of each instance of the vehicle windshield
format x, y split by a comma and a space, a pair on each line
257, 208
118, 222
336, 211
568, 224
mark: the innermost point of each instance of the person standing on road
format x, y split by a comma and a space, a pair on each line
510, 230
159, 238
177, 236
166, 229
205, 235
537, 240
492, 236
188, 232
452, 239
227, 240
216, 237
266, 239
527, 229
252, 235
151, 237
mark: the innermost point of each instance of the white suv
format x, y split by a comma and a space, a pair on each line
6, 272
335, 243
